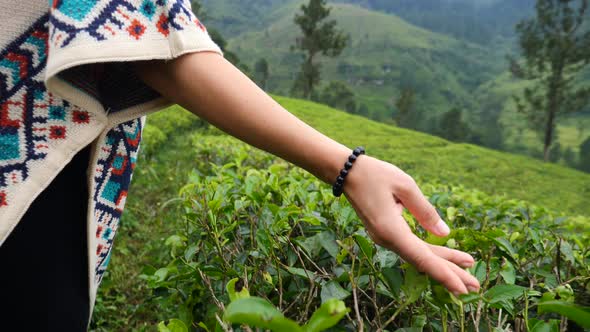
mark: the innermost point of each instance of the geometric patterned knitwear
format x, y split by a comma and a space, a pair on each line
65, 83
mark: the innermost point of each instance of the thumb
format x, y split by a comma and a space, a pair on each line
414, 200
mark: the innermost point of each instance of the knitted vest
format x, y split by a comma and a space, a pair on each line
65, 83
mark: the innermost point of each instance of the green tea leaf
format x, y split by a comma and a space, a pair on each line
414, 283
579, 314
393, 278
302, 272
258, 312
366, 246
326, 316
508, 273
174, 325
386, 257
333, 290
500, 293
236, 289
328, 242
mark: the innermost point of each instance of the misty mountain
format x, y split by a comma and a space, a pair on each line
473, 20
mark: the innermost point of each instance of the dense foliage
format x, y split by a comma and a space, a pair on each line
288, 240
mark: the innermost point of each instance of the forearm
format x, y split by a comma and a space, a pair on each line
210, 87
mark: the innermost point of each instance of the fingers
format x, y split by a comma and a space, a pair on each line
413, 199
470, 282
458, 257
396, 235
438, 268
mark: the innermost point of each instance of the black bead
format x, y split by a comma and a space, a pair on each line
340, 179
352, 158
358, 151
347, 165
343, 173
337, 191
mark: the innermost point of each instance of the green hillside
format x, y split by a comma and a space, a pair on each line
430, 158
385, 54
426, 157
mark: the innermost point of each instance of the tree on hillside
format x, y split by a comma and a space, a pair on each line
585, 155
452, 126
569, 156
320, 37
337, 94
555, 49
405, 108
555, 152
262, 72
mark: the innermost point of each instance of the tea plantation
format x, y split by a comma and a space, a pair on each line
217, 235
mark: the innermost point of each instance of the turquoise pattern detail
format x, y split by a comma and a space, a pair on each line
111, 191
107, 234
57, 113
148, 9
77, 9
14, 68
118, 162
9, 146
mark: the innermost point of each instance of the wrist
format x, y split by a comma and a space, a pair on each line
331, 163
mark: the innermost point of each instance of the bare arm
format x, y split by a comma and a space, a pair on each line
212, 88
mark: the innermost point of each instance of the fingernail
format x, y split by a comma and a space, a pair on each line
473, 289
467, 263
442, 228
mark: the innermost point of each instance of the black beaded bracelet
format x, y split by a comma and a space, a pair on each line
338, 187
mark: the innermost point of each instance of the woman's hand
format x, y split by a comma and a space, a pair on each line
212, 88
379, 192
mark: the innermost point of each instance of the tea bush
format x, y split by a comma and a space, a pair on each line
253, 224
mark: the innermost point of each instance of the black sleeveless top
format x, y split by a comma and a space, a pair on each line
44, 264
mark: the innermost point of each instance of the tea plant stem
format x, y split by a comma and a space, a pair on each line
208, 284
526, 310
462, 317
222, 324
311, 281
280, 281
354, 295
399, 309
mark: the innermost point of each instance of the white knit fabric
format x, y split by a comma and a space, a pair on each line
64, 85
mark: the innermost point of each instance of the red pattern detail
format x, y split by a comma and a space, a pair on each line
200, 25
4, 120
3, 199
136, 29
81, 117
121, 170
23, 62
98, 231
57, 132
163, 25
41, 34
98, 248
122, 196
110, 30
